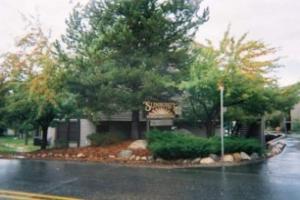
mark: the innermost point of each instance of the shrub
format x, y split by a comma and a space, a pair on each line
175, 145
103, 139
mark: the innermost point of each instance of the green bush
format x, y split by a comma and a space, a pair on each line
175, 145
103, 139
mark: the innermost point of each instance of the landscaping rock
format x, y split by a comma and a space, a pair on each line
196, 161
137, 158
132, 157
207, 160
237, 157
228, 158
215, 157
159, 160
112, 156
275, 150
186, 162
245, 156
79, 155
150, 158
125, 154
138, 144
254, 156
144, 158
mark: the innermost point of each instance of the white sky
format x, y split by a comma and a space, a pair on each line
277, 22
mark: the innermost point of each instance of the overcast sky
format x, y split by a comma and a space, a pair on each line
277, 22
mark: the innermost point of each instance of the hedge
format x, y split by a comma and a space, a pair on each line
175, 145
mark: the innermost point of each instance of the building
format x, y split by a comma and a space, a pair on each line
295, 117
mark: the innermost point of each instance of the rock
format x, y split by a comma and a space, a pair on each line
132, 157
237, 157
112, 156
150, 158
196, 161
269, 154
275, 151
67, 156
186, 162
137, 158
125, 154
50, 154
144, 158
207, 160
228, 158
80, 155
215, 157
245, 156
44, 155
254, 156
138, 144
159, 160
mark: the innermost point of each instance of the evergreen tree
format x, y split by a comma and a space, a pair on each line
123, 52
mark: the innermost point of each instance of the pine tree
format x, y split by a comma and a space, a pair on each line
123, 52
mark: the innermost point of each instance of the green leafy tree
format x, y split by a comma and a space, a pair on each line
35, 82
241, 66
121, 53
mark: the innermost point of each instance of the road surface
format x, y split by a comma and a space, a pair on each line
275, 179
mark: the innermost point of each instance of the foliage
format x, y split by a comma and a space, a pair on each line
176, 145
121, 53
103, 139
241, 66
36, 93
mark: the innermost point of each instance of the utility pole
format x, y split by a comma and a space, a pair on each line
222, 120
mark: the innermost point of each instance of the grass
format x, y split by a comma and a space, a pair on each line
10, 144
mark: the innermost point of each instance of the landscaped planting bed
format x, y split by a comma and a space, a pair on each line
174, 145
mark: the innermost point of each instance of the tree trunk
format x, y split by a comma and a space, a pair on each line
44, 137
135, 134
26, 138
210, 128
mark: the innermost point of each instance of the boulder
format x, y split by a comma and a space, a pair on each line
137, 158
228, 158
207, 160
125, 154
159, 160
237, 157
112, 156
245, 156
138, 144
215, 157
79, 155
144, 158
254, 156
196, 161
132, 157
186, 161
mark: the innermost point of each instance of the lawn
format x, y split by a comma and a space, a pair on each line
9, 144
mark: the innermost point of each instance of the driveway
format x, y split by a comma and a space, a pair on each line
275, 179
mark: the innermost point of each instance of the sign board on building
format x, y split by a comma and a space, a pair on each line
161, 122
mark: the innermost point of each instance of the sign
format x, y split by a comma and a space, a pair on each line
160, 110
161, 122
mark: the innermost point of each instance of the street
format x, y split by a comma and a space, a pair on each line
275, 179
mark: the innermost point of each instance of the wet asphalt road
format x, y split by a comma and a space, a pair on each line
275, 179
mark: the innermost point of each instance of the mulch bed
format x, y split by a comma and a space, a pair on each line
106, 153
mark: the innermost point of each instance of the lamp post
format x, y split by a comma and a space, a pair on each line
221, 87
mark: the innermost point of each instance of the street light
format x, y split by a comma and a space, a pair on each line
221, 87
